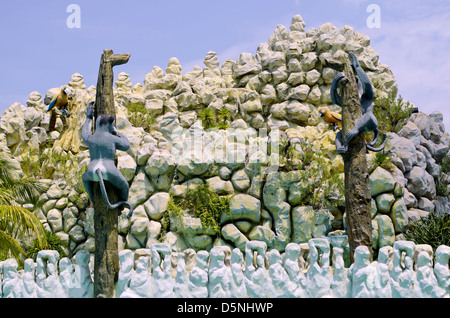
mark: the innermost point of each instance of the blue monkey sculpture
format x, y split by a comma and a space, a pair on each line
368, 121
102, 148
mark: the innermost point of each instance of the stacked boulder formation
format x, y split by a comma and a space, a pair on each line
275, 92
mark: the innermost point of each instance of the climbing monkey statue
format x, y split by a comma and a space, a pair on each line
368, 121
102, 149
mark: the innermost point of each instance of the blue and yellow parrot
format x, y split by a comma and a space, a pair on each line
331, 117
61, 101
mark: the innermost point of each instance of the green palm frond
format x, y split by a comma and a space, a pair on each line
27, 189
6, 196
5, 165
18, 221
14, 188
9, 244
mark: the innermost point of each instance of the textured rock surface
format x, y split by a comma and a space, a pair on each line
262, 98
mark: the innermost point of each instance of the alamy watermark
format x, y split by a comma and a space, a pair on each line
74, 19
374, 19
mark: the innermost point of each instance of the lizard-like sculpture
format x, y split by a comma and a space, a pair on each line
368, 121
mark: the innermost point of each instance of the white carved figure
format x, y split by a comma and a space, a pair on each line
296, 276
44, 258
52, 286
426, 281
442, 271
383, 280
198, 276
83, 284
402, 271
250, 269
238, 288
181, 288
11, 279
219, 274
279, 278
402, 274
362, 274
319, 276
126, 271
29, 289
261, 278
340, 284
66, 276
256, 275
162, 279
140, 283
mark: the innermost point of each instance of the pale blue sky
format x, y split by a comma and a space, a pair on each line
38, 50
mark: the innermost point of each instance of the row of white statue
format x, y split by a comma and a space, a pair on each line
314, 269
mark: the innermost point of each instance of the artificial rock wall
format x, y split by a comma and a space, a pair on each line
280, 88
311, 270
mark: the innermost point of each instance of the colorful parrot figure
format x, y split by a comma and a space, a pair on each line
61, 101
331, 117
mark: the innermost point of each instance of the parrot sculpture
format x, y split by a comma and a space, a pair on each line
60, 102
331, 117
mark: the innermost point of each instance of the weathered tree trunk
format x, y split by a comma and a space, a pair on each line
357, 191
106, 268
104, 100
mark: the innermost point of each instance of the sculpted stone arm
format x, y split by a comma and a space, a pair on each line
121, 142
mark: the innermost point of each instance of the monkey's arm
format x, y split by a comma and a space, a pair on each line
86, 131
87, 126
365, 123
121, 142
368, 93
341, 147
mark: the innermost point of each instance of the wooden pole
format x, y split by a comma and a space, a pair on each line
106, 258
357, 190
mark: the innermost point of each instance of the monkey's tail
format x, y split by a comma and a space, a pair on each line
375, 138
371, 148
105, 196
335, 98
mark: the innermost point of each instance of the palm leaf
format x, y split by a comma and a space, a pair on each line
18, 221
27, 189
6, 196
9, 244
14, 188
